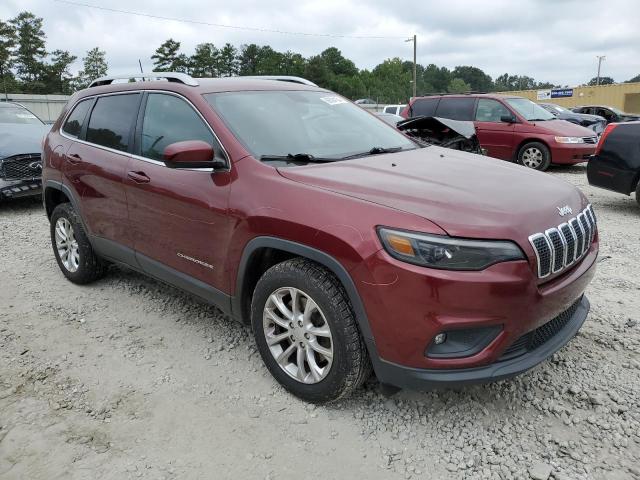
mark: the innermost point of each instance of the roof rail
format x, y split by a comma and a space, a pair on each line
176, 77
282, 78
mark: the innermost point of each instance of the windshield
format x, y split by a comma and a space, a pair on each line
317, 124
529, 110
18, 115
556, 108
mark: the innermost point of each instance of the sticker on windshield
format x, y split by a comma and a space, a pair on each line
333, 100
25, 115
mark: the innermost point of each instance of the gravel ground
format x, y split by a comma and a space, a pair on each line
128, 378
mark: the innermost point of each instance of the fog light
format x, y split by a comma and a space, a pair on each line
439, 338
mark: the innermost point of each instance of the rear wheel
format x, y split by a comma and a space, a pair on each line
71, 247
534, 155
306, 332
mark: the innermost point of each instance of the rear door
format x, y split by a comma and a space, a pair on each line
494, 135
96, 164
616, 166
178, 216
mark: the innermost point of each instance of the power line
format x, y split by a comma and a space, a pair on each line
220, 25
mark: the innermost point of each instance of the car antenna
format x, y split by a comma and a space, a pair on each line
141, 71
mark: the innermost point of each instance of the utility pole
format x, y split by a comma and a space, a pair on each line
600, 58
415, 86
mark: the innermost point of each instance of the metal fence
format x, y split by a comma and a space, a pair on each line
46, 107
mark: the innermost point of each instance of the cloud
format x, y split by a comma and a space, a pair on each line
552, 40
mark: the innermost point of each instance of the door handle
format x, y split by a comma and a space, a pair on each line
74, 158
138, 177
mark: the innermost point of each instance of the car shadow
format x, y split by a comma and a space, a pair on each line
20, 204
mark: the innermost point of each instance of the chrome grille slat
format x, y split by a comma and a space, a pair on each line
559, 247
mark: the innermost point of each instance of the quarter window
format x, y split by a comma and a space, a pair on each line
111, 121
456, 108
424, 106
73, 125
491, 111
169, 119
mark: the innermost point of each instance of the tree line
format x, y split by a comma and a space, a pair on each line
26, 66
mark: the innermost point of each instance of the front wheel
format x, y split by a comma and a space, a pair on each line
306, 332
535, 155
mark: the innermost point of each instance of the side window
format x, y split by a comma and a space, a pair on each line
456, 108
169, 119
424, 106
490, 110
111, 121
73, 125
389, 109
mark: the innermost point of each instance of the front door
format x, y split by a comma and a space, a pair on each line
178, 216
494, 135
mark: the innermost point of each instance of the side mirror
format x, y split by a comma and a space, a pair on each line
190, 154
507, 119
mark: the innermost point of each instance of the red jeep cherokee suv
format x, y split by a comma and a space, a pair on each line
512, 128
346, 245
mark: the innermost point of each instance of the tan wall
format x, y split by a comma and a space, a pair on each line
625, 96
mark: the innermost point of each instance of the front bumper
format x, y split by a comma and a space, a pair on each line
569, 154
20, 188
428, 379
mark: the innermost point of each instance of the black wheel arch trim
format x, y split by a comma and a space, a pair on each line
316, 255
56, 185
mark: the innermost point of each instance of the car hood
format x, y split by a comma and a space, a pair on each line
466, 195
583, 117
628, 117
563, 128
21, 139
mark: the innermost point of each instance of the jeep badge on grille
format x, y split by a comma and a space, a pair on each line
566, 210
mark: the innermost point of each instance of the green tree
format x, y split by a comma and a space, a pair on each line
634, 79
94, 66
7, 43
228, 61
337, 64
166, 58
317, 71
603, 81
248, 59
204, 61
58, 77
458, 85
437, 78
473, 76
30, 51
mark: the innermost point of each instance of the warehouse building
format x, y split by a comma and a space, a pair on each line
624, 96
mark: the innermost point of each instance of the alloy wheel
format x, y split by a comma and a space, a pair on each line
67, 245
298, 335
532, 157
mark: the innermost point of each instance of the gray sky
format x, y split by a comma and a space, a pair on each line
550, 40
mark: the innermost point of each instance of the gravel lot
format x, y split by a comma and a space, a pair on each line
128, 378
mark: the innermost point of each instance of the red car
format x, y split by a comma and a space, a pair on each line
512, 128
347, 246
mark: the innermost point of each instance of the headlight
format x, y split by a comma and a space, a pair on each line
447, 253
569, 139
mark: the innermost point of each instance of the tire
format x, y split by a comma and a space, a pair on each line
535, 155
336, 376
81, 265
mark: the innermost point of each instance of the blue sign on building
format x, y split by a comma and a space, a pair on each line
562, 92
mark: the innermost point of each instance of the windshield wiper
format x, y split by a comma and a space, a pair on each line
298, 157
374, 151
539, 119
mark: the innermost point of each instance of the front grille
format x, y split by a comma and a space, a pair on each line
21, 167
561, 246
590, 139
541, 335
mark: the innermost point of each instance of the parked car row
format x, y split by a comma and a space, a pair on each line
594, 122
512, 128
610, 114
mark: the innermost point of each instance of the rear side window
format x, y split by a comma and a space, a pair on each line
169, 119
74, 122
424, 106
390, 110
111, 121
456, 108
491, 111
